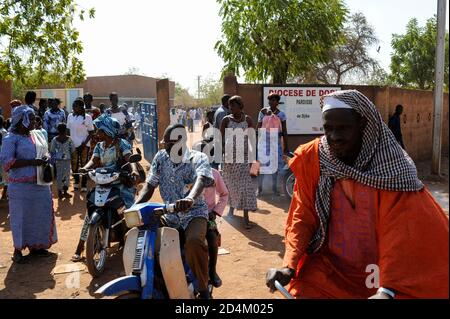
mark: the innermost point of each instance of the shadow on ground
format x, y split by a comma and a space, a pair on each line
258, 236
18, 276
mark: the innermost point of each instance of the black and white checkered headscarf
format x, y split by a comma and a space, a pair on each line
381, 164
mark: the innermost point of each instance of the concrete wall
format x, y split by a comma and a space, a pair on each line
417, 119
5, 97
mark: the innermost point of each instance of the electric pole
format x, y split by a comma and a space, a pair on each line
198, 87
438, 89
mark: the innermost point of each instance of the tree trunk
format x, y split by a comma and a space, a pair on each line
280, 75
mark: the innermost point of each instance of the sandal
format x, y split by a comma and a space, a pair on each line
76, 258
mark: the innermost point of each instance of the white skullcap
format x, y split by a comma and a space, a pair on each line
330, 102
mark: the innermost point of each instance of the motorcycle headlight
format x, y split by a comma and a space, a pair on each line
133, 218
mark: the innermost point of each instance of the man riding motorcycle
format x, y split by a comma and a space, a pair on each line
181, 175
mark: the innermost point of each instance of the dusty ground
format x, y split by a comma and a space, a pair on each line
252, 252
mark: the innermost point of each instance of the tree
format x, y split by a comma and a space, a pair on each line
211, 92
277, 38
414, 55
133, 70
37, 37
351, 56
183, 97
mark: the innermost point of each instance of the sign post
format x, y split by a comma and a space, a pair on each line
438, 90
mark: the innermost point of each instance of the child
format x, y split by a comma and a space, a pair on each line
272, 122
3, 133
215, 208
38, 127
61, 150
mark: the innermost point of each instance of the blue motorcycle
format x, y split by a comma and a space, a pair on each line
155, 267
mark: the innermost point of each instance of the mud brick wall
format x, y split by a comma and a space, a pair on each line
417, 117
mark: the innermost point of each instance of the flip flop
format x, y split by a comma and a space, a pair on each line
76, 258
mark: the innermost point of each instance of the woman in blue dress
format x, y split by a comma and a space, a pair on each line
30, 205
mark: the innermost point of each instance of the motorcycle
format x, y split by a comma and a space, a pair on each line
104, 207
155, 267
288, 177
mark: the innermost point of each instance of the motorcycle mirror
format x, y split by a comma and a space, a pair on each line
135, 158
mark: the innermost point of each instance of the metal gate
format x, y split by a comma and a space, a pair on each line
148, 118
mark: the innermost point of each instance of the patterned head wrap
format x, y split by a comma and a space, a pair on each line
108, 124
381, 163
19, 113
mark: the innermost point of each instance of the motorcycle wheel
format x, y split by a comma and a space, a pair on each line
289, 181
95, 253
129, 295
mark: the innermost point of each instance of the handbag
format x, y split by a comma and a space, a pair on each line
48, 173
254, 168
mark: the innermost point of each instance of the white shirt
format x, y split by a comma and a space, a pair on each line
79, 128
192, 114
119, 116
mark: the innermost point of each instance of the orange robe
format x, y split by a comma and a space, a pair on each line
405, 235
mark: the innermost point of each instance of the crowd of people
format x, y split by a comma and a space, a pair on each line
357, 175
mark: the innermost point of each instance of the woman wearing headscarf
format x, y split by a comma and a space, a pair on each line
109, 151
30, 205
361, 224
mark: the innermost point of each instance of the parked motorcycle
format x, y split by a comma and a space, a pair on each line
288, 177
155, 267
104, 208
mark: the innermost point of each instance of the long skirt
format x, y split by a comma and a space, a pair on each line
63, 174
31, 216
241, 186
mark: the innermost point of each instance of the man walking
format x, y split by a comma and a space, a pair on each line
395, 126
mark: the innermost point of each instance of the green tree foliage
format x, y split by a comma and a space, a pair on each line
183, 97
414, 55
38, 42
350, 58
277, 39
211, 92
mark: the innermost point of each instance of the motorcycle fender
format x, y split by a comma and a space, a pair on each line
120, 285
129, 251
95, 218
171, 263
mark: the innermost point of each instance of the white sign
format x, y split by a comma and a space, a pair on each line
301, 105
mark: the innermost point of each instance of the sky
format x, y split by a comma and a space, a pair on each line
176, 38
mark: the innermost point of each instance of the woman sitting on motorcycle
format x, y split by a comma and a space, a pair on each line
110, 152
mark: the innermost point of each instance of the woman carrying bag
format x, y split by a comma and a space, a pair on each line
30, 200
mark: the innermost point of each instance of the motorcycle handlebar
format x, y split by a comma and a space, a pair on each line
167, 209
283, 290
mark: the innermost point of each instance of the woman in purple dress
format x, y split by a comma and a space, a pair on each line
30, 205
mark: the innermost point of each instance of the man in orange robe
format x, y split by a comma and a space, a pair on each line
361, 224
